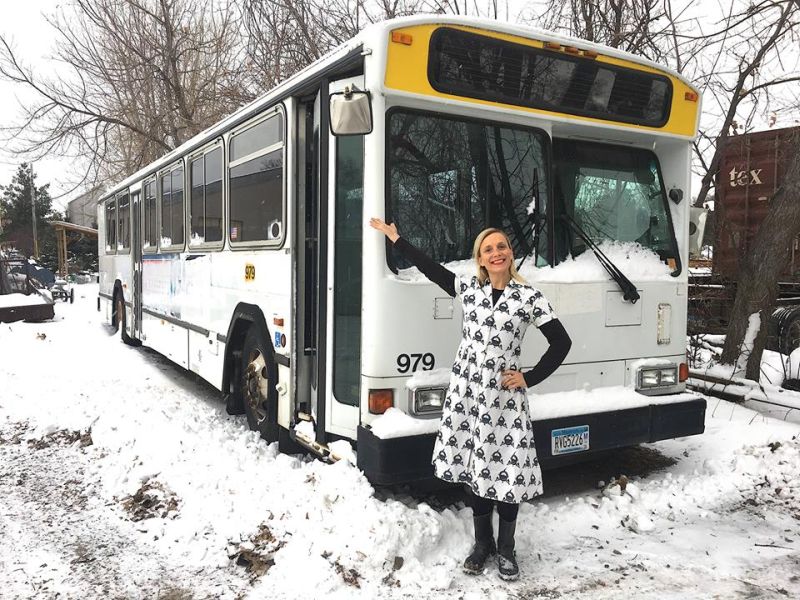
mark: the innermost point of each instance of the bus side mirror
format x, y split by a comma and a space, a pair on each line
350, 112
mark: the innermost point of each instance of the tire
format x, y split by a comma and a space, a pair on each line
259, 374
783, 333
119, 311
790, 333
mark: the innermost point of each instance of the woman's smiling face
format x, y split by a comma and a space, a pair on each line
496, 255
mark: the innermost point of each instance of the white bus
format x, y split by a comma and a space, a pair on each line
245, 255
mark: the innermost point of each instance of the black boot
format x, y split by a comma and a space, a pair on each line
484, 545
506, 558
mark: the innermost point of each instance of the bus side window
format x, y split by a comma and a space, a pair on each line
111, 225
150, 239
206, 198
256, 182
123, 220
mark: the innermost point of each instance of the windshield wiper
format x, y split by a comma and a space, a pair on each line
629, 292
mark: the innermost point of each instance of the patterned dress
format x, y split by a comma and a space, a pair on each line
485, 437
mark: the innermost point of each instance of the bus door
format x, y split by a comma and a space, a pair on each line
306, 258
136, 258
328, 230
344, 249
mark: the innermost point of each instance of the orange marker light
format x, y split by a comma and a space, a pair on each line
277, 321
571, 50
552, 45
401, 38
380, 401
590, 54
691, 96
683, 372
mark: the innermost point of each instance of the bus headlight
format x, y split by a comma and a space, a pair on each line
658, 377
428, 400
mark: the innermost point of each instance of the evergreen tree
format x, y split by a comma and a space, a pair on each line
15, 205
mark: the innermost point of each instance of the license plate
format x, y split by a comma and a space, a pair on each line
569, 440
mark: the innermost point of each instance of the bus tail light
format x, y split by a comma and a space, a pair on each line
691, 96
683, 372
380, 401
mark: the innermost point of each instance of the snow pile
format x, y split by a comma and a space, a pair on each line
764, 473
425, 379
395, 423
753, 327
777, 367
584, 402
636, 262
767, 395
11, 300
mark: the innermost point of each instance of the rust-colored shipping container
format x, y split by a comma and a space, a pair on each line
753, 166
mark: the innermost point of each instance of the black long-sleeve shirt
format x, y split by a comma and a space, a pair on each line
554, 331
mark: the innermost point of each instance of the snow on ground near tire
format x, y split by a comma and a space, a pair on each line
94, 434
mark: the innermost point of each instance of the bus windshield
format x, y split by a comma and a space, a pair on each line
449, 178
613, 193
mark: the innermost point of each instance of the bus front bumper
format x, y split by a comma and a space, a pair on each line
407, 459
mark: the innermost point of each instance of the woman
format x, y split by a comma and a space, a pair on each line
485, 437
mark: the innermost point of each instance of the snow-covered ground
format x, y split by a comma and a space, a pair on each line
767, 396
121, 476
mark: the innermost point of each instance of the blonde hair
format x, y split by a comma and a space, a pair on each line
483, 274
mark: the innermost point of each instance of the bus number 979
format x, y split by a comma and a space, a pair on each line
410, 362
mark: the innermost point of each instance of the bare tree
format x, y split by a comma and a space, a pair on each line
644, 27
493, 9
284, 36
746, 61
140, 77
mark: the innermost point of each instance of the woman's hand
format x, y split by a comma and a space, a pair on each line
512, 380
389, 230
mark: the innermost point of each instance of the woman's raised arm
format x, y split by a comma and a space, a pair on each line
435, 272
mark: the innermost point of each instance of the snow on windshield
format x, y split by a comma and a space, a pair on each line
636, 262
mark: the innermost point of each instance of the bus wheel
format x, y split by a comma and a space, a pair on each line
259, 376
120, 310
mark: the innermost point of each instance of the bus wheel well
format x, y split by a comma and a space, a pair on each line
244, 317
